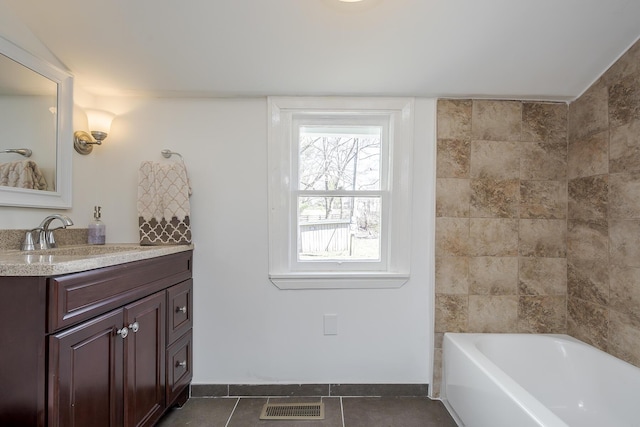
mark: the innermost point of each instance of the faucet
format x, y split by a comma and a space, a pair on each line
45, 239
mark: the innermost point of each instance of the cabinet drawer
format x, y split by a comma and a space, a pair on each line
81, 296
179, 362
180, 304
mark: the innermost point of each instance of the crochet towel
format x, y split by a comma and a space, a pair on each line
22, 174
163, 204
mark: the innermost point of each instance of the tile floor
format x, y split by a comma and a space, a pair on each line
339, 412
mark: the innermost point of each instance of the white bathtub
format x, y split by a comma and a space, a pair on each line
519, 380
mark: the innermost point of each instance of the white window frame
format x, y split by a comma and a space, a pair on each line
393, 270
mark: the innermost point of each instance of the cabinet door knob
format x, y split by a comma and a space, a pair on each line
135, 326
182, 364
123, 332
182, 309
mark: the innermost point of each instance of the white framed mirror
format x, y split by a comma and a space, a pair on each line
36, 107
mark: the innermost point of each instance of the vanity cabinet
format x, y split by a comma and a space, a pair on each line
106, 347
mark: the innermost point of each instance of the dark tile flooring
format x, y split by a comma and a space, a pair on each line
339, 412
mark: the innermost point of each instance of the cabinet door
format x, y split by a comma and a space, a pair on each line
144, 395
86, 373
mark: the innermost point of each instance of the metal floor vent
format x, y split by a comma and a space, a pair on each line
292, 411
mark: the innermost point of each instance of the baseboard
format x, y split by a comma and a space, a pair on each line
299, 390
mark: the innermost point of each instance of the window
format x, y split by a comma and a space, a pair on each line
339, 191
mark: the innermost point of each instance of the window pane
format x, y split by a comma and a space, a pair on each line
339, 158
339, 228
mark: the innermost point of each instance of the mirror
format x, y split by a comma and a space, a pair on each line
35, 117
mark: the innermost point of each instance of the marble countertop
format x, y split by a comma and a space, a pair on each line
75, 258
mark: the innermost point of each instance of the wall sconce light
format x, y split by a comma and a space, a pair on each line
99, 126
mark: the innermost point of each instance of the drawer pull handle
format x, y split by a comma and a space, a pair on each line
123, 332
181, 364
182, 309
135, 327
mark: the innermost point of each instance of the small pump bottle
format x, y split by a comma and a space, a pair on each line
97, 229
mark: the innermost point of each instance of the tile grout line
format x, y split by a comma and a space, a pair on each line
233, 411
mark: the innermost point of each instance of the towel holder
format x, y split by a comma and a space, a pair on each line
168, 153
22, 151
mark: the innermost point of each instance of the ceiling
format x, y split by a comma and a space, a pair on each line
525, 49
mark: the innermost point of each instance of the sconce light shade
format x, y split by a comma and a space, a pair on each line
99, 120
99, 125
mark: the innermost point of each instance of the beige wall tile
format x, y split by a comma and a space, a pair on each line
493, 275
588, 197
625, 290
624, 148
588, 280
543, 199
493, 313
624, 195
452, 197
589, 113
624, 337
494, 198
437, 373
497, 120
588, 322
543, 160
543, 121
542, 276
493, 237
588, 239
624, 243
452, 236
588, 156
438, 339
624, 100
453, 157
452, 275
542, 314
543, 238
451, 313
498, 160
454, 118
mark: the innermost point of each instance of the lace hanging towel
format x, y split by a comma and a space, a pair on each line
22, 174
163, 204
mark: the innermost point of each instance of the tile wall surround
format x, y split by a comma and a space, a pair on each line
538, 216
501, 218
603, 227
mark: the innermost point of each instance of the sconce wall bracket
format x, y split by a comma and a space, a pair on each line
83, 143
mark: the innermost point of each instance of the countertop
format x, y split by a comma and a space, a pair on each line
76, 258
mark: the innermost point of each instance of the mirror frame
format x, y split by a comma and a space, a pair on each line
61, 198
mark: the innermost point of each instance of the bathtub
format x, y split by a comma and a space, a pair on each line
519, 380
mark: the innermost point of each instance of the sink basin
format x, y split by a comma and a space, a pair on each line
88, 250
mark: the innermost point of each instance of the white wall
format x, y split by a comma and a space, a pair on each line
246, 330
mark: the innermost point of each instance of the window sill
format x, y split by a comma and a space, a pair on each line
339, 281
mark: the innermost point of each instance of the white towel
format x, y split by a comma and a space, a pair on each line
163, 204
22, 174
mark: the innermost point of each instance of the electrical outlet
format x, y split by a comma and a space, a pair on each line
331, 324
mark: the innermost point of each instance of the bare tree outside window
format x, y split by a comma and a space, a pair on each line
339, 183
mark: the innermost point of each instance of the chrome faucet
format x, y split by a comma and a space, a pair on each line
45, 239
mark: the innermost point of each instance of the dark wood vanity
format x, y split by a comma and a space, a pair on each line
104, 347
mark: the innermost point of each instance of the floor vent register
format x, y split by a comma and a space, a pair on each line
292, 411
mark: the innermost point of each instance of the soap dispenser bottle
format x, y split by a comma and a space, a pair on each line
97, 229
